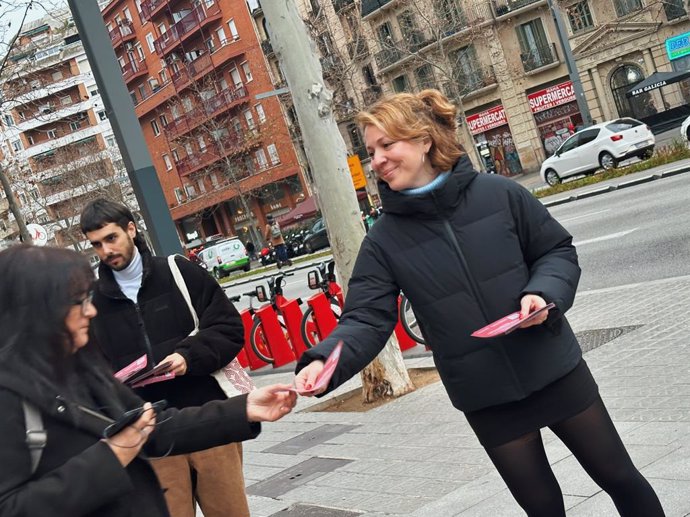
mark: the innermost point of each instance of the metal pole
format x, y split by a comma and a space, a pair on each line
570, 63
126, 128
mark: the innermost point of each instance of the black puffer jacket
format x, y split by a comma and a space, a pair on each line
464, 254
160, 323
78, 474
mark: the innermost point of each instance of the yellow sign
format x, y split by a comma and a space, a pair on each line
357, 172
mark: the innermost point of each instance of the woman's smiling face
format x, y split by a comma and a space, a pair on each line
400, 163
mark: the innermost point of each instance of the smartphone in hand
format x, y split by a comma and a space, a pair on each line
131, 416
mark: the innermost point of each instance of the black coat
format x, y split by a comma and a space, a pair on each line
159, 325
464, 254
78, 475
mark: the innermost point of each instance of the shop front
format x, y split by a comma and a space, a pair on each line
494, 141
556, 114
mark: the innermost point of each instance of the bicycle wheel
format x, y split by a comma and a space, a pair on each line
409, 321
310, 334
257, 340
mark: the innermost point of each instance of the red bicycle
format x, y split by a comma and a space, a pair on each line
325, 307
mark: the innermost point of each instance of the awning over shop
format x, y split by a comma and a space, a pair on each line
304, 210
657, 80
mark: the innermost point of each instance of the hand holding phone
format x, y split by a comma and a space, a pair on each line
129, 417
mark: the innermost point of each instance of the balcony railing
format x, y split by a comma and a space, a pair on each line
266, 48
372, 94
187, 72
210, 107
330, 64
230, 144
466, 83
131, 70
340, 5
505, 7
390, 55
539, 57
370, 6
188, 24
674, 9
150, 8
463, 19
122, 32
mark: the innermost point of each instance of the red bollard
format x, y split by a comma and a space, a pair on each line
292, 315
273, 332
254, 362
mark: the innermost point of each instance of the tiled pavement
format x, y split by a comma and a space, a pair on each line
417, 457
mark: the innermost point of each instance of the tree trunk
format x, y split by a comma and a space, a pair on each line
327, 156
14, 208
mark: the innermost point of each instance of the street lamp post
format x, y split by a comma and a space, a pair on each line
570, 63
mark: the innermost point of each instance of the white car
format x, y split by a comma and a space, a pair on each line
601, 146
224, 256
684, 134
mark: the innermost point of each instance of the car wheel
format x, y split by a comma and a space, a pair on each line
217, 274
247, 267
647, 154
552, 177
308, 248
607, 161
687, 133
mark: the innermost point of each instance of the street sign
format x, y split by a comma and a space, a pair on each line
38, 234
357, 172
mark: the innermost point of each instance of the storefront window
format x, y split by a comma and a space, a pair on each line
637, 107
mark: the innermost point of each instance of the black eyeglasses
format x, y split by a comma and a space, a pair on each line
84, 302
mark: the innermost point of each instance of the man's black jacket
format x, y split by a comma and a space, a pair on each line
159, 325
464, 254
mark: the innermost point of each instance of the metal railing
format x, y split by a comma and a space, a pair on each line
131, 70
186, 25
465, 83
371, 94
466, 18
369, 6
123, 30
150, 7
188, 71
539, 57
390, 55
504, 7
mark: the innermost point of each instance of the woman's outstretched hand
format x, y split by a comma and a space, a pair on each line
529, 304
270, 403
306, 379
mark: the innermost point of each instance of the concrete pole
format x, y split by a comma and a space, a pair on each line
570, 63
327, 155
126, 128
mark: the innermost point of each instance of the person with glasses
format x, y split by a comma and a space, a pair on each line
46, 362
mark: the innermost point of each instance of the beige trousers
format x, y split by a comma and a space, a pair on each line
219, 482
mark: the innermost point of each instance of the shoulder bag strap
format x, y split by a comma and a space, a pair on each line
182, 286
36, 436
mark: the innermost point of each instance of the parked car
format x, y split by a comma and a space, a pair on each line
224, 256
316, 238
685, 130
602, 146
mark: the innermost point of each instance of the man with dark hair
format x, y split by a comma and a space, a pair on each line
141, 311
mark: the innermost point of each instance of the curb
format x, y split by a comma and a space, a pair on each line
612, 187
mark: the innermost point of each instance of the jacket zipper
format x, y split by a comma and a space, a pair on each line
147, 341
475, 290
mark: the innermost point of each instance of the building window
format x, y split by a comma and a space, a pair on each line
625, 7
133, 96
17, 145
247, 71
534, 45
273, 154
156, 129
261, 113
401, 84
65, 100
233, 29
163, 75
424, 77
234, 73
580, 17
175, 155
56, 75
22, 198
30, 139
220, 34
102, 115
178, 195
190, 190
110, 141
164, 120
249, 164
140, 51
149, 41
214, 179
52, 134
202, 143
22, 115
168, 163
202, 186
210, 45
74, 125
93, 92
261, 160
250, 119
8, 119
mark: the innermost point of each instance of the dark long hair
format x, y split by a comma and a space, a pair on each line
38, 287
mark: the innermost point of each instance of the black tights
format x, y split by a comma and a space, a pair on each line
593, 439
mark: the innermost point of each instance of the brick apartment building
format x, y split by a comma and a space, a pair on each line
57, 146
224, 158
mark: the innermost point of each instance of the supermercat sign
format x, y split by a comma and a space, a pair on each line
485, 120
551, 97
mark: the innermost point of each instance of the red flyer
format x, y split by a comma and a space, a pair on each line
508, 323
328, 370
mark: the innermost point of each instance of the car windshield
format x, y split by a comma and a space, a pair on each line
622, 124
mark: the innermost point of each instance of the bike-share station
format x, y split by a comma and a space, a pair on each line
279, 332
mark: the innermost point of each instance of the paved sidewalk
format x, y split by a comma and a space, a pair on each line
417, 457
